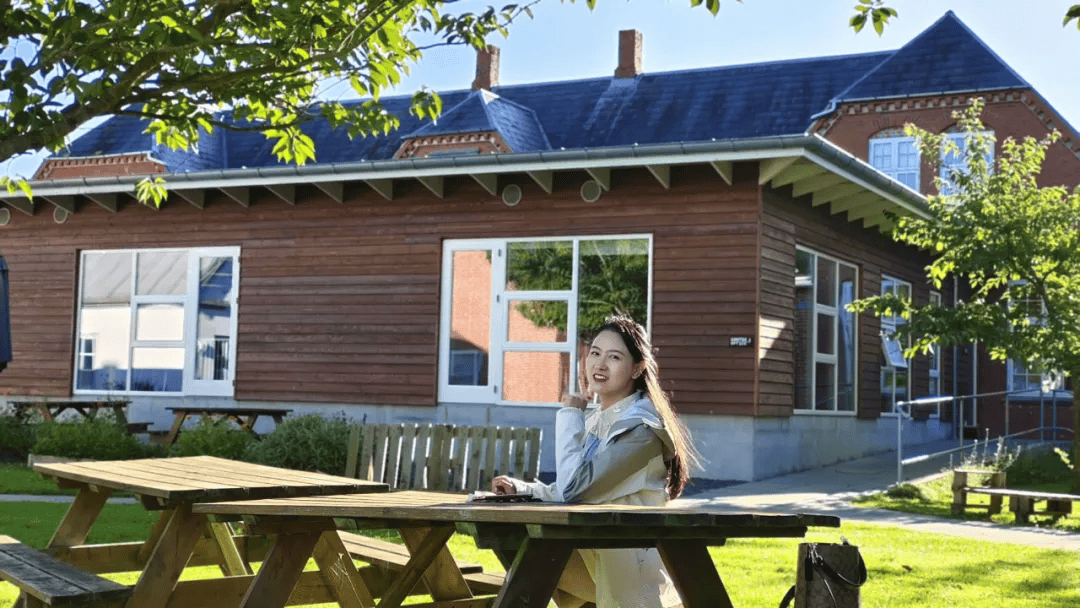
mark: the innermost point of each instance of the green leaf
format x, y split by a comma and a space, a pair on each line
1073, 14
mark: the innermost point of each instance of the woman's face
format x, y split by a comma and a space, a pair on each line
610, 369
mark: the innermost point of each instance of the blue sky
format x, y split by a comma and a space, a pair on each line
567, 41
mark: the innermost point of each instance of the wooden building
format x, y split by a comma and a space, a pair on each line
447, 272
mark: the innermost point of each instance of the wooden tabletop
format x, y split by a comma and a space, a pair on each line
238, 411
203, 478
438, 507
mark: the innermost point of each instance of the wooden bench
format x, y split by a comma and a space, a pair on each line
1021, 502
961, 487
441, 457
436, 457
47, 581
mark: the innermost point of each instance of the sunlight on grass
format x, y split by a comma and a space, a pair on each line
906, 568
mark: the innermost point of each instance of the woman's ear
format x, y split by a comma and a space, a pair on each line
639, 369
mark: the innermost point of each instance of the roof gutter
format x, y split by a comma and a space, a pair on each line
813, 147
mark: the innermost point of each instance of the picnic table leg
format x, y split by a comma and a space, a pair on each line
339, 572
417, 565
232, 564
80, 516
151, 541
531, 580
444, 579
694, 574
178, 422
1023, 507
43, 409
280, 571
121, 417
170, 556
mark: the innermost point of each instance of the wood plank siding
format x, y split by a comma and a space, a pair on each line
787, 224
339, 303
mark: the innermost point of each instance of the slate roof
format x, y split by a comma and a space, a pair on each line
960, 60
486, 111
720, 103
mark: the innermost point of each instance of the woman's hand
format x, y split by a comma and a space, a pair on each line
503, 485
576, 400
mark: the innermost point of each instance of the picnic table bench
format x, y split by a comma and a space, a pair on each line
243, 416
540, 536
48, 581
1021, 502
51, 408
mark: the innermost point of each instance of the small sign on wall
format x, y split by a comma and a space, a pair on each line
741, 341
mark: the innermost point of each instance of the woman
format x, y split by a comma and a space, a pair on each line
631, 451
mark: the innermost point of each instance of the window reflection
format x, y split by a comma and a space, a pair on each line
470, 318
536, 377
214, 323
105, 321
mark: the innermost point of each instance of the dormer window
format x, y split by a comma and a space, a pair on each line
895, 155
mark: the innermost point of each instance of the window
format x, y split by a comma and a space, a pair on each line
895, 379
896, 157
157, 321
955, 159
934, 385
1020, 378
515, 312
825, 333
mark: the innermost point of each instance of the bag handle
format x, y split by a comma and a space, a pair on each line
814, 561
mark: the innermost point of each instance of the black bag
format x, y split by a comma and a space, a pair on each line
829, 576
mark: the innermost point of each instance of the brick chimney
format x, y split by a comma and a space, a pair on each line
629, 54
487, 68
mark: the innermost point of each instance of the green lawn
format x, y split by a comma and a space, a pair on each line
934, 497
17, 478
906, 568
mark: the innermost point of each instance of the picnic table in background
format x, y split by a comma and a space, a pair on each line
51, 408
243, 416
180, 537
540, 536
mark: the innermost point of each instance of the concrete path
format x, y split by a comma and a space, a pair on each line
828, 490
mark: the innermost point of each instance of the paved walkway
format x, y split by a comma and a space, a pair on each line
829, 489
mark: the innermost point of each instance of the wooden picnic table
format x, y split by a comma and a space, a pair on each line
51, 408
180, 537
243, 416
541, 537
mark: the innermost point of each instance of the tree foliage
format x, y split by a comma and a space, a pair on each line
191, 65
1014, 244
878, 14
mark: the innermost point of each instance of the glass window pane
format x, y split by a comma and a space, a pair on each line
537, 321
540, 266
159, 322
470, 318
804, 323
825, 389
106, 279
825, 333
214, 324
613, 277
157, 369
105, 321
846, 336
161, 273
826, 282
535, 377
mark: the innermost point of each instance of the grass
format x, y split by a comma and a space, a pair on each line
906, 568
934, 497
17, 478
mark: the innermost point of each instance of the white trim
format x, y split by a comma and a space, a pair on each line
892, 323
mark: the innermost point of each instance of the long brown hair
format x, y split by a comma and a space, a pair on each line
641, 349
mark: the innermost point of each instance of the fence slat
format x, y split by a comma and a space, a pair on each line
408, 445
393, 441
532, 465
367, 447
476, 446
353, 454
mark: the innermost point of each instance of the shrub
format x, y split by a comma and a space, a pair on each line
1038, 466
211, 439
306, 443
17, 437
98, 438
905, 491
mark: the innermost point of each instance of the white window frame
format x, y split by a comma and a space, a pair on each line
833, 359
934, 373
957, 159
501, 299
190, 303
907, 176
888, 326
1014, 367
